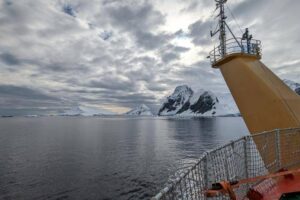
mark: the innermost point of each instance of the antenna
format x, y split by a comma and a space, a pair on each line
222, 25
244, 45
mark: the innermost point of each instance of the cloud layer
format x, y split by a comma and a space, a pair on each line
117, 54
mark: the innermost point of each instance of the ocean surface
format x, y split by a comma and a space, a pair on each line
102, 158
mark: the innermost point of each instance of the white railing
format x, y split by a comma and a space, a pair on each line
237, 45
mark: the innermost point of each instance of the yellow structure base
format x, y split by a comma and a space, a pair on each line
264, 100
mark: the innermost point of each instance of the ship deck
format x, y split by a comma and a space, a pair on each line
254, 162
283, 186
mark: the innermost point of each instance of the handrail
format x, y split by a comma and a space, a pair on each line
238, 159
252, 47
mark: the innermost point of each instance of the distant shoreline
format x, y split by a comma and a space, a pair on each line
122, 116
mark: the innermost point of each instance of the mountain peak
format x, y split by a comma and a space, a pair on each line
293, 85
177, 101
182, 90
144, 106
85, 111
141, 110
184, 101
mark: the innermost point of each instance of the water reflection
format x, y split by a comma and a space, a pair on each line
101, 158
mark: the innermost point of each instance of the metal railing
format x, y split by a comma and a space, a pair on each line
236, 45
239, 159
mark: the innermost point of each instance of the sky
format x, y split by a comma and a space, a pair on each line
117, 54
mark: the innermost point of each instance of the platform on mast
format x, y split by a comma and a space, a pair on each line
233, 49
235, 46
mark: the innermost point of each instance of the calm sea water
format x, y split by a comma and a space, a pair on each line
102, 158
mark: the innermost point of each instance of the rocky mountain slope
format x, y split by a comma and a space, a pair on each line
185, 102
293, 85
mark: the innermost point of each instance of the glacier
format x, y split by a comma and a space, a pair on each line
141, 110
85, 111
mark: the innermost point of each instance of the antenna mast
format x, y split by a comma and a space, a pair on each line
244, 45
221, 26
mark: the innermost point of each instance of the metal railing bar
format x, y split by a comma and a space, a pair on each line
223, 160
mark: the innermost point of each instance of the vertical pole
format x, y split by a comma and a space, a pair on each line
246, 157
246, 139
205, 172
222, 28
278, 156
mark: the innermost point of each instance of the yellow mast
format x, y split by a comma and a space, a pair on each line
264, 100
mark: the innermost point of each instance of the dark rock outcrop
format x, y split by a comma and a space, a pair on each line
185, 101
178, 102
205, 103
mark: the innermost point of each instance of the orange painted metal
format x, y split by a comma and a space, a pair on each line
284, 182
283, 185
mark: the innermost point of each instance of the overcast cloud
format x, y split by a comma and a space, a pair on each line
117, 54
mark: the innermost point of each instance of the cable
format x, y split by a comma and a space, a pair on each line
212, 24
234, 18
212, 16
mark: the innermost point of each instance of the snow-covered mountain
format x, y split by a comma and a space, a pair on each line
85, 111
293, 85
185, 102
177, 102
141, 110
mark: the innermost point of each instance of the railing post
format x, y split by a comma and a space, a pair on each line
208, 168
278, 152
205, 172
246, 157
